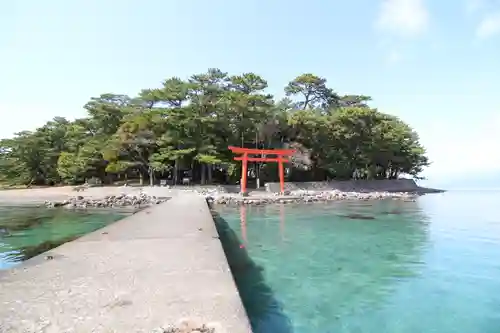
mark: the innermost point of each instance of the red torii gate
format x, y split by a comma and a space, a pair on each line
281, 158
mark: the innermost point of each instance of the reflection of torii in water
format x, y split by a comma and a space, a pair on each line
243, 223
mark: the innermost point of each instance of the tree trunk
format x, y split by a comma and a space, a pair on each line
176, 171
210, 173
151, 177
141, 178
203, 174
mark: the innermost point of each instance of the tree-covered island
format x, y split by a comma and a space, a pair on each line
183, 130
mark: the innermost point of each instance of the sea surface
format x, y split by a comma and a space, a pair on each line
26, 231
364, 267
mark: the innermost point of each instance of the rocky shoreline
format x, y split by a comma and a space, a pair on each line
302, 196
126, 197
220, 197
110, 201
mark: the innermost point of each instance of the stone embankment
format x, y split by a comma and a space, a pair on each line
110, 201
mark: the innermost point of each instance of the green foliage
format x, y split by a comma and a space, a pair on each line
313, 92
69, 166
118, 166
188, 125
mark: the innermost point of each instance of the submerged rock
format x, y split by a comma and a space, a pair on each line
26, 252
22, 220
358, 217
394, 212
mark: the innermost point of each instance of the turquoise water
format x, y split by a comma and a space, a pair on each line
388, 266
26, 231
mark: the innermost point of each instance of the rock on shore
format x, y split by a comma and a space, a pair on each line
191, 326
112, 201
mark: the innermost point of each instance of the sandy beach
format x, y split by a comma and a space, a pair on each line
40, 195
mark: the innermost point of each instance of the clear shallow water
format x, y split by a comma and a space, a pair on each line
388, 266
27, 231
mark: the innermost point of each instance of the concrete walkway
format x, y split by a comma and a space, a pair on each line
145, 271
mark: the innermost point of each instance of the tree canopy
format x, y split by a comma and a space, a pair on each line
186, 125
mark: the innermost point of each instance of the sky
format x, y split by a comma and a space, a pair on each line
435, 64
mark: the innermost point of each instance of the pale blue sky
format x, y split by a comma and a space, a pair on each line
436, 64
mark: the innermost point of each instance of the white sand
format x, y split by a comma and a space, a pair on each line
61, 193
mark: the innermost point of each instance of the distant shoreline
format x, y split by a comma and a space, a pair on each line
361, 186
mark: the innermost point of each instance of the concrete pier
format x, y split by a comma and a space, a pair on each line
143, 272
